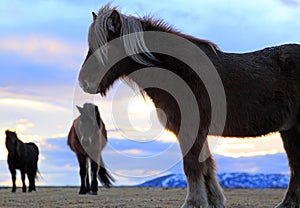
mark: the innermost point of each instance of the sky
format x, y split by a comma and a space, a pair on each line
43, 44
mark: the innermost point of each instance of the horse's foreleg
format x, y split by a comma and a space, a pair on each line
83, 165
87, 179
94, 173
23, 180
214, 191
203, 189
13, 178
291, 143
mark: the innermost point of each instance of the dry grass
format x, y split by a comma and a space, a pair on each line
131, 197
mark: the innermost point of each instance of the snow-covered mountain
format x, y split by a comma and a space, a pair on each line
268, 171
227, 180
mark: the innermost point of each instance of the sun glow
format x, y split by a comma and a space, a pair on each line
138, 107
3, 152
145, 126
248, 147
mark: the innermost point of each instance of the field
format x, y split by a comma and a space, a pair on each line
131, 197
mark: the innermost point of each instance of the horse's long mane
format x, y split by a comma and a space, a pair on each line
100, 123
158, 24
98, 34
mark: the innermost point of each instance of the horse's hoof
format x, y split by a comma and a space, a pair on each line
196, 205
190, 206
82, 192
93, 193
31, 189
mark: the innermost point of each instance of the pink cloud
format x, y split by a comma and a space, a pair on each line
45, 50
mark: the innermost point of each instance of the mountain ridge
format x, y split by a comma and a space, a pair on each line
227, 180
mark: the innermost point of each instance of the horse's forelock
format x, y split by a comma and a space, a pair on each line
90, 112
133, 44
89, 108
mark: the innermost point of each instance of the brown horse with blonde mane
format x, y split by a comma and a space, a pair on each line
87, 138
262, 91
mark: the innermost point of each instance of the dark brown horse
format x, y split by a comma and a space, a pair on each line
24, 157
87, 138
262, 93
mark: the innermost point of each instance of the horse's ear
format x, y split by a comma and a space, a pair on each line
80, 109
115, 24
94, 16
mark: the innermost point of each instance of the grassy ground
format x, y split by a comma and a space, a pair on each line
131, 197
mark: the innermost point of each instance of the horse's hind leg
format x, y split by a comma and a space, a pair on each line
23, 180
203, 188
13, 178
94, 173
291, 143
31, 179
31, 183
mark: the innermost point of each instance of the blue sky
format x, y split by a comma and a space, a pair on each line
43, 44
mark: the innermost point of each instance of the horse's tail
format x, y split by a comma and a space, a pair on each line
38, 174
105, 178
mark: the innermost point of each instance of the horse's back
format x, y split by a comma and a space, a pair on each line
34, 147
262, 90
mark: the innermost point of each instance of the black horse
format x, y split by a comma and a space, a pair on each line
22, 156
